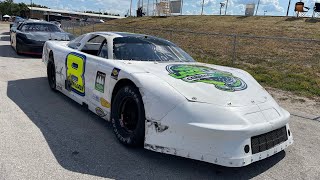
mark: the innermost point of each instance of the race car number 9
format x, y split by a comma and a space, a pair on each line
75, 72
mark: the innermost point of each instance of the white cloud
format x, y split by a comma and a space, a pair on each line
266, 5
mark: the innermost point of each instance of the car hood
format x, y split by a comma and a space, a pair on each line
206, 83
46, 36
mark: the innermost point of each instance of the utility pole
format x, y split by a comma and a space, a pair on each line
181, 7
202, 7
221, 6
257, 7
148, 8
31, 9
130, 7
225, 13
288, 7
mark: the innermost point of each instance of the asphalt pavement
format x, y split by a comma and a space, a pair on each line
45, 135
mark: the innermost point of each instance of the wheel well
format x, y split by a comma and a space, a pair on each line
51, 56
119, 85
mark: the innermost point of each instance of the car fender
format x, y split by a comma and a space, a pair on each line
159, 97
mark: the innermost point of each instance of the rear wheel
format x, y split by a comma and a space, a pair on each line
51, 73
128, 116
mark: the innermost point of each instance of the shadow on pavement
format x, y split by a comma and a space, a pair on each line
84, 143
5, 33
5, 38
8, 51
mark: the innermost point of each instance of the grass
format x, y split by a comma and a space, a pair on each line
286, 64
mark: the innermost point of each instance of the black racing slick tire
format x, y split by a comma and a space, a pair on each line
128, 116
51, 74
18, 48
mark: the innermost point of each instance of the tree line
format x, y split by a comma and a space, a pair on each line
16, 9
105, 13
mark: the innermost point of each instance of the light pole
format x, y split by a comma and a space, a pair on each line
31, 9
148, 8
130, 6
225, 13
257, 7
181, 7
202, 7
288, 7
221, 6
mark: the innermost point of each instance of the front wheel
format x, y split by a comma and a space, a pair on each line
18, 48
51, 73
128, 116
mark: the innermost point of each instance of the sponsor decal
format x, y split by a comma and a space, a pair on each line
95, 97
105, 103
222, 80
100, 112
100, 81
115, 73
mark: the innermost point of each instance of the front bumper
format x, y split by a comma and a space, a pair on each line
31, 49
217, 135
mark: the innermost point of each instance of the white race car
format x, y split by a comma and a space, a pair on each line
157, 96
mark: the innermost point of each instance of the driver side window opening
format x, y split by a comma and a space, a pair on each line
103, 52
92, 46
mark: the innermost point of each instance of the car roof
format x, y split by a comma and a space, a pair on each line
36, 21
133, 35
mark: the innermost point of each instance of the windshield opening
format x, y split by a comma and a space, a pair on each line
32, 27
148, 49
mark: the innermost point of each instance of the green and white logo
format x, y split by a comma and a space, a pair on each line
100, 81
192, 73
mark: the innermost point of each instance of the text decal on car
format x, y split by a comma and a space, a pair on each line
75, 64
192, 73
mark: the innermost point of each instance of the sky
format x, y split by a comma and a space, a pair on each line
191, 7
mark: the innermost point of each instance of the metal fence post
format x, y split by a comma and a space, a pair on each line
72, 29
234, 49
93, 27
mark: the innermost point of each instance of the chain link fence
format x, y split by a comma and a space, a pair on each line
288, 63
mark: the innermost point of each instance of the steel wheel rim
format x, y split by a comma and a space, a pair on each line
128, 114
